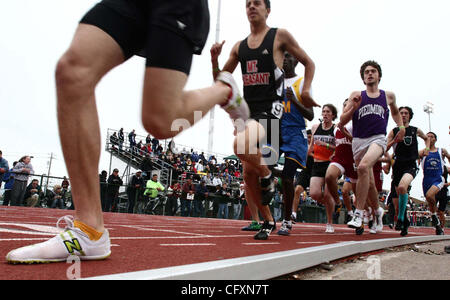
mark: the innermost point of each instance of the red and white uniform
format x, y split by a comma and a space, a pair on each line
343, 154
378, 175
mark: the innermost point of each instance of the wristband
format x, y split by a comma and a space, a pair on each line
328, 146
400, 127
216, 69
428, 149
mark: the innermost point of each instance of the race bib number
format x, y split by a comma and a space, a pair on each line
190, 196
277, 109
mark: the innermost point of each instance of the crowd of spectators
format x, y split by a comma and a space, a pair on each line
200, 185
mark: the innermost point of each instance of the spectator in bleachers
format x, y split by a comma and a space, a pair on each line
121, 138
146, 166
187, 196
216, 180
224, 198
114, 140
4, 167
201, 193
8, 178
32, 194
155, 144
139, 148
134, 190
23, 169
238, 200
148, 139
199, 166
132, 141
173, 194
57, 199
103, 176
112, 190
65, 183
207, 179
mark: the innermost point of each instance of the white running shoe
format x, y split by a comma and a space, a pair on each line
236, 107
329, 229
373, 229
379, 219
356, 221
367, 216
71, 241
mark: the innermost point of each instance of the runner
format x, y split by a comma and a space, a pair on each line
341, 164
303, 180
323, 146
369, 111
293, 136
432, 162
442, 199
404, 170
169, 33
261, 57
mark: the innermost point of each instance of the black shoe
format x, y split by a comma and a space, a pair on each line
405, 227
435, 221
265, 231
439, 230
399, 225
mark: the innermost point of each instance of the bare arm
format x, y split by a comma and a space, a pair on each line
390, 140
231, 63
347, 114
289, 44
445, 153
395, 113
311, 144
423, 136
308, 113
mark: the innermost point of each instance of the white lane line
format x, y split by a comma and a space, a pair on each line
176, 245
310, 242
164, 230
259, 244
23, 239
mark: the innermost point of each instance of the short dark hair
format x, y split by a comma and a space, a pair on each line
266, 2
409, 109
371, 63
435, 136
333, 109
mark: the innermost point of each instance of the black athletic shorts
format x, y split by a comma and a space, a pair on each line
401, 168
304, 178
290, 168
320, 169
167, 33
442, 199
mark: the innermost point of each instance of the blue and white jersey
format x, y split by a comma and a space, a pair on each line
293, 125
433, 164
433, 169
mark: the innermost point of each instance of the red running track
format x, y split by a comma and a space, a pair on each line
143, 242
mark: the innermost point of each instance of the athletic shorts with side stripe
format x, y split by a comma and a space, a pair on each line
167, 33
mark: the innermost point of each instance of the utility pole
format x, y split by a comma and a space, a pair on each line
213, 110
429, 109
49, 168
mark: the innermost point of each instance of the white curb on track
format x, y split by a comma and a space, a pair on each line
267, 266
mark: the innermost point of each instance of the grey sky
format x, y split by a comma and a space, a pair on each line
408, 38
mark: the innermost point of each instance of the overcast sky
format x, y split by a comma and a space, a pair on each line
409, 38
